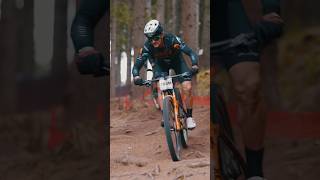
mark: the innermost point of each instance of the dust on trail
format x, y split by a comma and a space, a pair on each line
138, 148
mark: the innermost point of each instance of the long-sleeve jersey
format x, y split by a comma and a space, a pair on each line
230, 19
170, 52
87, 16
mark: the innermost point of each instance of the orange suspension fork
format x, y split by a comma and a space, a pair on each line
176, 111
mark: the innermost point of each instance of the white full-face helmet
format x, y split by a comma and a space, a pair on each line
152, 28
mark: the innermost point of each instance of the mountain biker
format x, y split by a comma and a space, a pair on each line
231, 19
88, 59
164, 51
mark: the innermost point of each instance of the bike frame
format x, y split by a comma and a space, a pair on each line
172, 94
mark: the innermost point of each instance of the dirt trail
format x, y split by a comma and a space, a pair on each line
138, 149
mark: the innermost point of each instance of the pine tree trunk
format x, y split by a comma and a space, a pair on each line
26, 39
174, 16
8, 63
137, 35
148, 9
59, 59
190, 27
204, 59
113, 73
160, 11
190, 23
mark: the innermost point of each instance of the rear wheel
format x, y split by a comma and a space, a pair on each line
173, 136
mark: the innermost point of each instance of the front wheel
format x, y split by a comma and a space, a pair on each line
173, 136
182, 115
184, 137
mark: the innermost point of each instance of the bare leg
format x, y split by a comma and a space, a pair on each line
246, 83
187, 94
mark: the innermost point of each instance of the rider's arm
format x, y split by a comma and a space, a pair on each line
271, 6
88, 15
271, 25
140, 61
187, 50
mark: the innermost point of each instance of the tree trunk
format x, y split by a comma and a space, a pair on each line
148, 9
174, 16
160, 12
190, 23
204, 59
137, 35
178, 17
26, 39
128, 83
8, 63
190, 27
59, 59
113, 73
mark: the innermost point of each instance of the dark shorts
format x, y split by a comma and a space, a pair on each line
231, 20
228, 60
161, 68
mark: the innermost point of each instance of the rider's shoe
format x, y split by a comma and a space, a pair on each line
191, 124
256, 178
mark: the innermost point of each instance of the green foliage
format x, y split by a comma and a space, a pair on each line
299, 65
153, 10
203, 83
122, 14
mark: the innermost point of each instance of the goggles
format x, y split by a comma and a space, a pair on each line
155, 38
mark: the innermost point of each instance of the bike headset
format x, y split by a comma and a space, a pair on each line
152, 28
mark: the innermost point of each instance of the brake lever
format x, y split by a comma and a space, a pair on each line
147, 83
187, 74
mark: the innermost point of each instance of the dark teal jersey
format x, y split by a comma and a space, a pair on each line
230, 19
171, 52
87, 16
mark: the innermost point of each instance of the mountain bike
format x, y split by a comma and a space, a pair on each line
173, 114
228, 161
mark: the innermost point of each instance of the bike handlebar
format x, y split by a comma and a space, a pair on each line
247, 40
149, 82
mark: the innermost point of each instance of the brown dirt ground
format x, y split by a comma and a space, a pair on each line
138, 148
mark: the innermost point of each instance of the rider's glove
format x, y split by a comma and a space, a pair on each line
269, 28
138, 81
194, 69
273, 17
92, 62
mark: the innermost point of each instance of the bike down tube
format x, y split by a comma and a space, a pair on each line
176, 111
